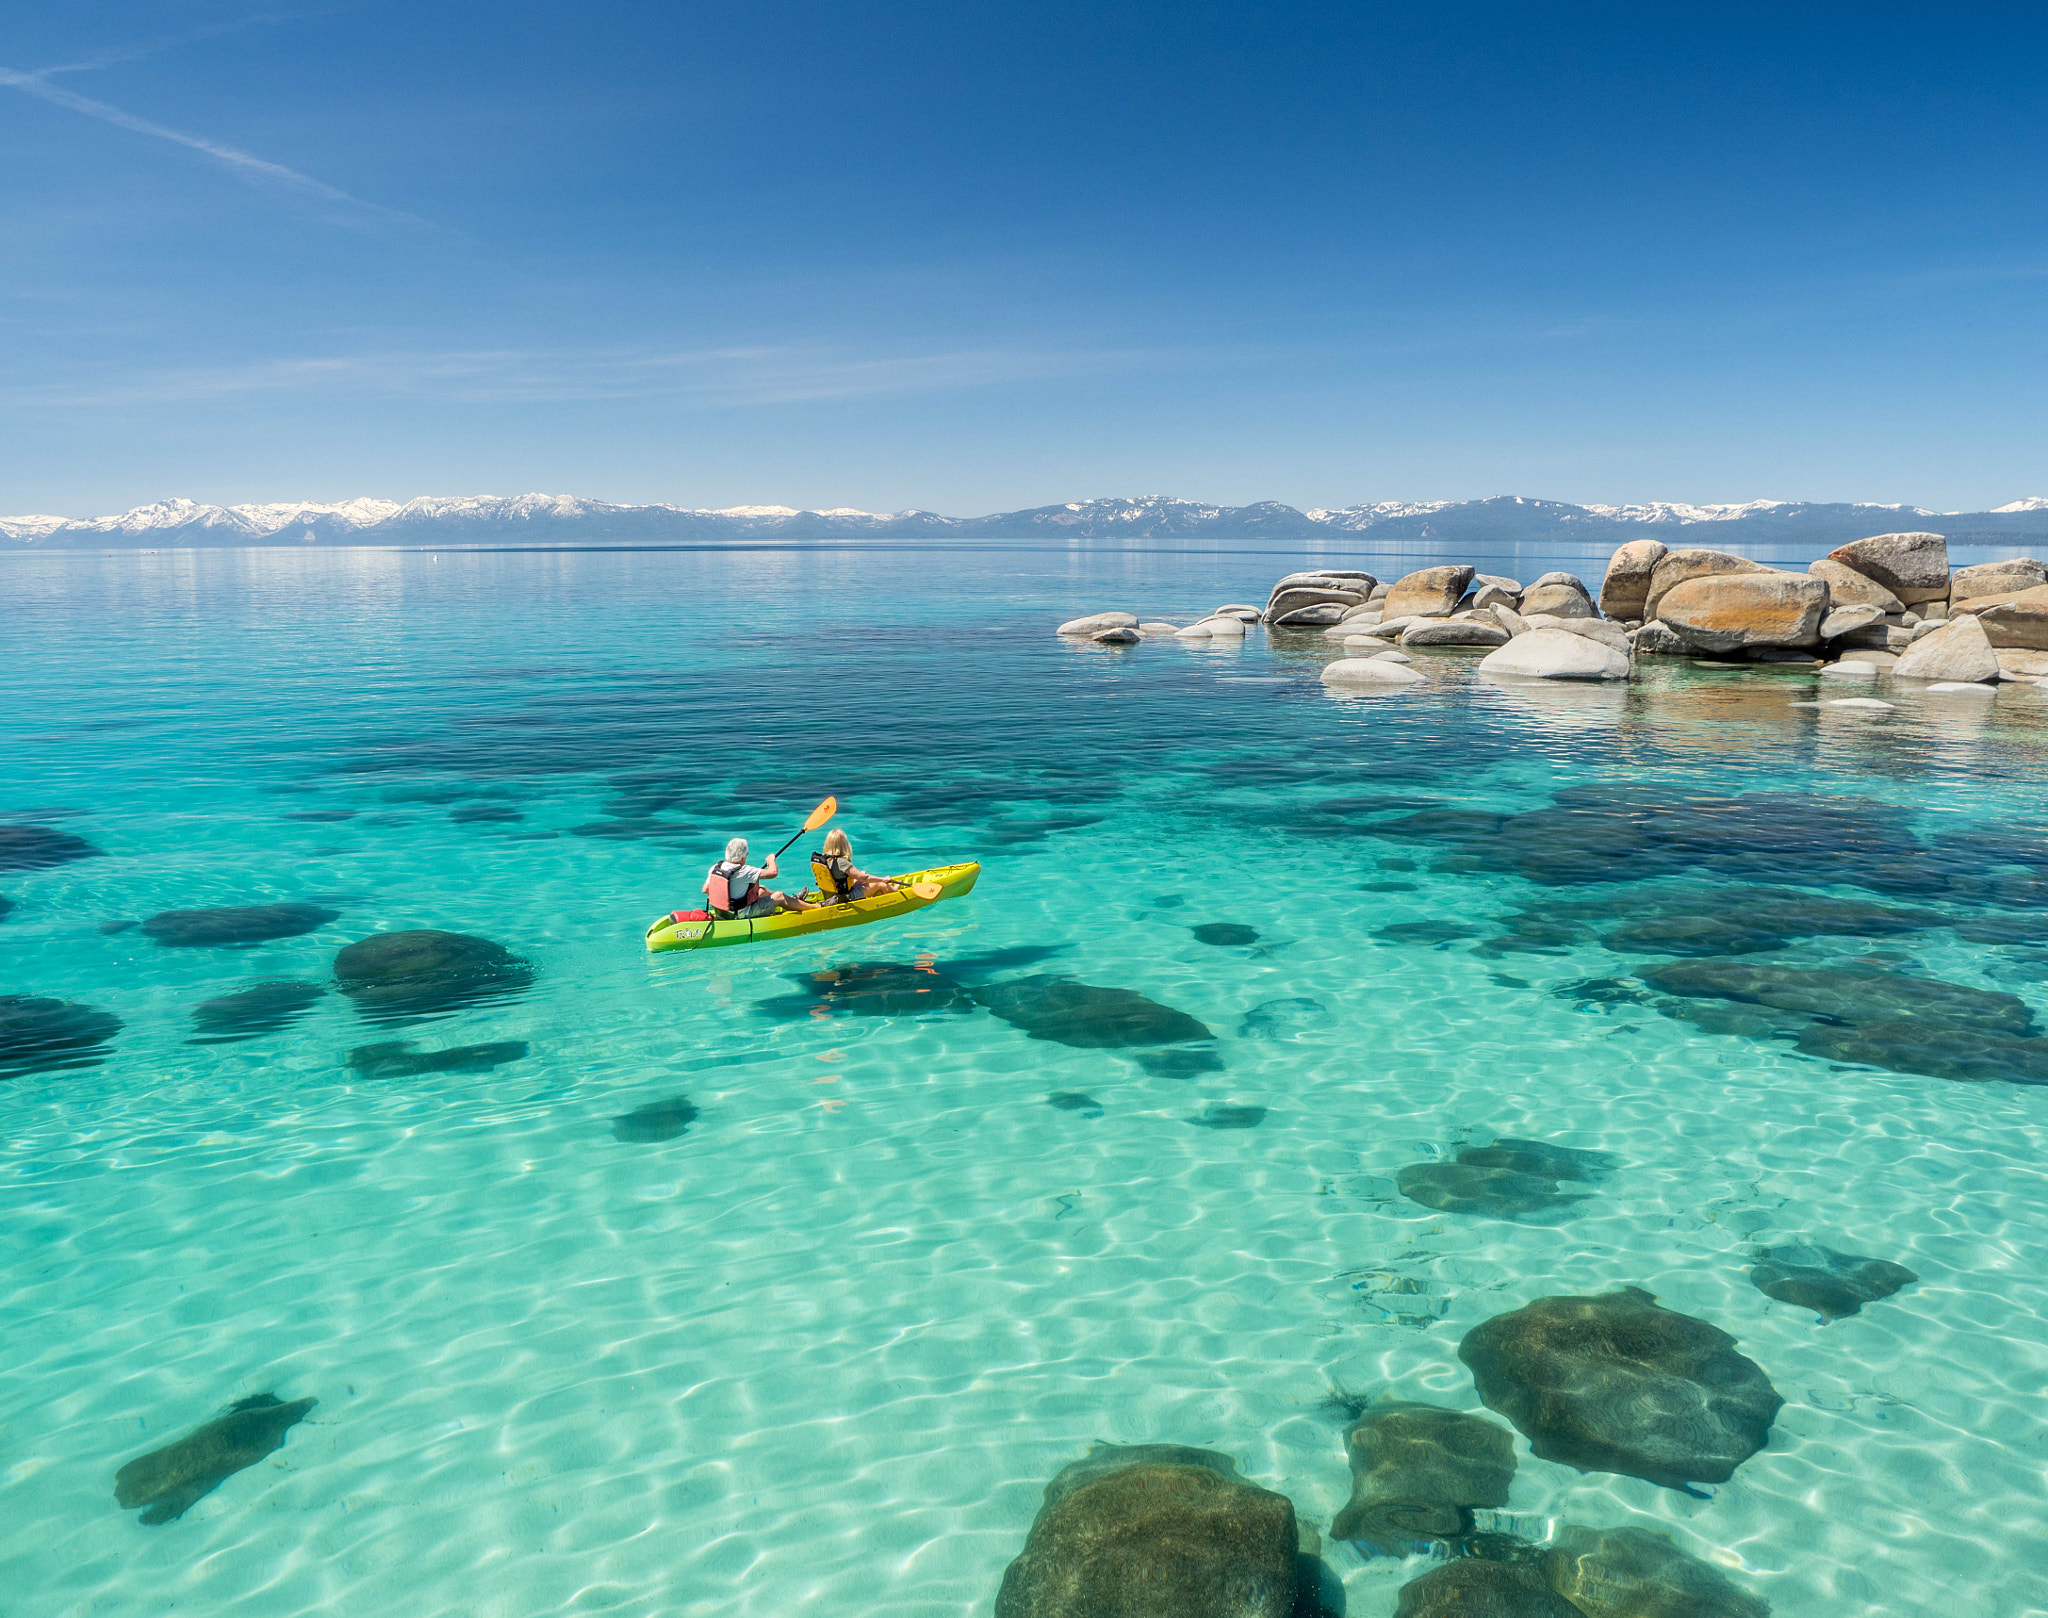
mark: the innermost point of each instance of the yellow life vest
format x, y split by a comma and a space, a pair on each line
834, 878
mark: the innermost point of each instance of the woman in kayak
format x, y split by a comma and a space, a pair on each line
839, 879
734, 887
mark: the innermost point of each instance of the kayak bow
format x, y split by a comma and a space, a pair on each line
680, 929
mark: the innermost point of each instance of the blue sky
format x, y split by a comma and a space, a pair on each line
973, 257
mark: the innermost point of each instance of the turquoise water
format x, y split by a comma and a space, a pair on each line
825, 1346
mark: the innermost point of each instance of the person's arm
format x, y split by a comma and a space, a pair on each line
768, 871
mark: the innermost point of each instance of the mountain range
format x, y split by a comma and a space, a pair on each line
544, 519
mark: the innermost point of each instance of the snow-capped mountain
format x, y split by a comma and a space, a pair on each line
560, 519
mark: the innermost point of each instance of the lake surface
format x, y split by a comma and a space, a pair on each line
821, 1344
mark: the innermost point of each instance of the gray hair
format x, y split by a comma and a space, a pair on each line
736, 851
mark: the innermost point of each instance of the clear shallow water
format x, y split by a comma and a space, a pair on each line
828, 1345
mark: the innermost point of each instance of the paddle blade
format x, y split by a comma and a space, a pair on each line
926, 890
824, 812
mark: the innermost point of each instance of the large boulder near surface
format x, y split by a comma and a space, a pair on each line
1959, 650
1848, 588
1455, 632
1638, 1573
1555, 654
1675, 567
1096, 622
1996, 578
1627, 585
1472, 1587
1728, 612
1155, 1531
426, 973
1613, 1383
1834, 1285
1302, 595
1604, 630
1914, 567
37, 848
1368, 671
1430, 592
1320, 616
229, 925
1418, 1472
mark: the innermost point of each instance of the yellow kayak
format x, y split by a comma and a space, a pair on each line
690, 929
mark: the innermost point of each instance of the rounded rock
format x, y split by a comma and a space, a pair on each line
1368, 671
1095, 622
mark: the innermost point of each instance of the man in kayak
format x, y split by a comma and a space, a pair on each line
734, 887
839, 879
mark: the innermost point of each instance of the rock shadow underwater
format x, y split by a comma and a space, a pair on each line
424, 974
400, 1059
656, 1121
171, 1480
39, 1034
38, 848
1534, 1181
262, 1008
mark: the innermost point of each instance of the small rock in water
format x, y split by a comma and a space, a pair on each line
1074, 1101
229, 925
657, 1121
1225, 933
1181, 1064
1418, 1471
1117, 637
1228, 1115
1087, 1016
1155, 1531
399, 1060
1613, 1383
426, 973
1473, 1588
1869, 704
37, 848
1427, 932
1096, 622
1637, 1573
1833, 1285
1543, 1157
39, 1034
1282, 1019
262, 1008
171, 1480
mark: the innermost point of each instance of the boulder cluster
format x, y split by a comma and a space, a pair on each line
1889, 604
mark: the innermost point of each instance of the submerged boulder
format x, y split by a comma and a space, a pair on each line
1932, 1048
399, 1059
229, 925
1833, 1285
426, 973
1418, 1472
1613, 1383
1555, 654
1913, 567
1494, 1192
37, 848
1542, 1157
39, 1034
1085, 1015
1474, 1588
1368, 672
1845, 994
171, 1480
886, 989
1155, 1531
657, 1121
1637, 1573
1225, 933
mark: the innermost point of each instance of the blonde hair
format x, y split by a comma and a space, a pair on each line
836, 843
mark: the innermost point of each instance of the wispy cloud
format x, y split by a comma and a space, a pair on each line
735, 376
276, 177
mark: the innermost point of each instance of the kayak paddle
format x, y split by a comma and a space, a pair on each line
926, 890
817, 817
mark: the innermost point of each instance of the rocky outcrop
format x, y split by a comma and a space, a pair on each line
1732, 611
1956, 651
1430, 592
1096, 622
1562, 595
1914, 567
1613, 1383
1155, 1531
2019, 621
1842, 621
1555, 654
1418, 1472
1308, 595
1605, 630
1996, 578
1625, 590
1675, 567
1658, 640
1848, 588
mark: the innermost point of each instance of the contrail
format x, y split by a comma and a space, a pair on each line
245, 164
